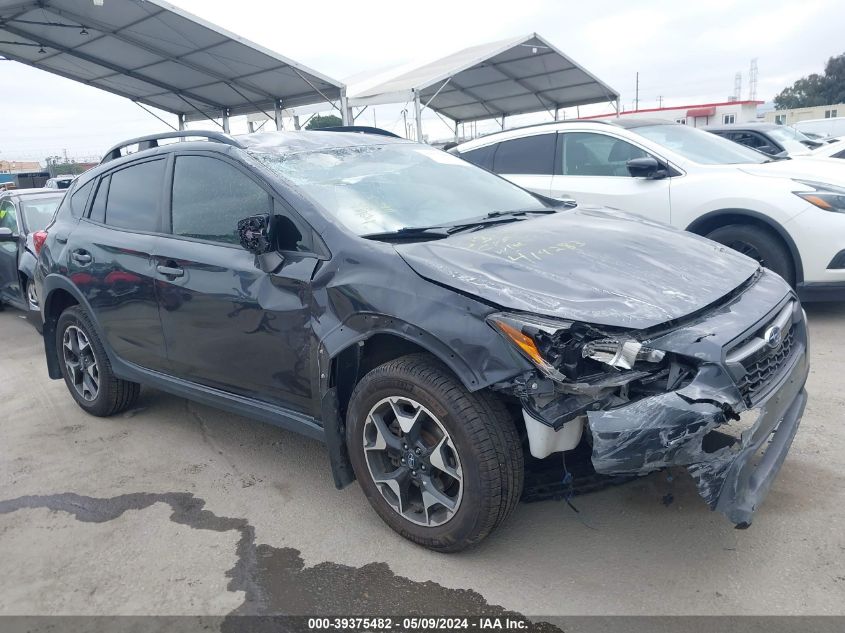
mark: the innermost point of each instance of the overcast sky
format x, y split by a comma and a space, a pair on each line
685, 52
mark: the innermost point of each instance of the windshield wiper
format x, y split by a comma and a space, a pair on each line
440, 231
498, 217
410, 232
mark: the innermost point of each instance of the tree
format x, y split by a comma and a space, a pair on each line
317, 121
815, 89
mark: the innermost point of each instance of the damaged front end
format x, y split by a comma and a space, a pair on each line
720, 393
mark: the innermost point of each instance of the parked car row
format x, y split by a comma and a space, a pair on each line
789, 215
769, 138
23, 212
439, 326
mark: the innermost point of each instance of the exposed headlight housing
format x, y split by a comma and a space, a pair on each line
823, 196
621, 354
566, 351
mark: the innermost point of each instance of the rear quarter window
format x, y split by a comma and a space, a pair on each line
78, 199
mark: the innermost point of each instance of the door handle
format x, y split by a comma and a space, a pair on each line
81, 257
170, 271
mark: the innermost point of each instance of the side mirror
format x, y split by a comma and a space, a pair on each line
646, 167
6, 234
254, 233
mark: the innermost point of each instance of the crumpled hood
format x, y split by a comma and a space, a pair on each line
815, 168
594, 265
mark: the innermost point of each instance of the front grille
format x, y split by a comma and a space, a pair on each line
763, 366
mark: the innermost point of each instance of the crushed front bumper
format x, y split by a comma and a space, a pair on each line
671, 430
732, 444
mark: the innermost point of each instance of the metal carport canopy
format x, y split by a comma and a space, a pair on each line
156, 54
515, 76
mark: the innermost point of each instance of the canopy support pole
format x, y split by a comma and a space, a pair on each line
456, 131
225, 117
181, 118
345, 109
418, 115
277, 114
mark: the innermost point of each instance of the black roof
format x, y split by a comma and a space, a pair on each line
300, 140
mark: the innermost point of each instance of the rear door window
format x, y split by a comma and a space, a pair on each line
134, 197
528, 155
483, 156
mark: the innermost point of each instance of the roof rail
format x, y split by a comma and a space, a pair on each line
150, 141
361, 129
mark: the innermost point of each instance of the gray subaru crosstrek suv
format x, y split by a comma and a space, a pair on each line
435, 325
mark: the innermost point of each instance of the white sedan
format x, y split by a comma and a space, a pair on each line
787, 214
834, 149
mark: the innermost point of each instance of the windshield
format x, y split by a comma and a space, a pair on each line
699, 146
790, 139
39, 211
383, 188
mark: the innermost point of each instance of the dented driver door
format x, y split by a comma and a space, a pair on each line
227, 323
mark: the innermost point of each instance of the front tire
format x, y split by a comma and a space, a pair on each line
86, 367
758, 243
442, 466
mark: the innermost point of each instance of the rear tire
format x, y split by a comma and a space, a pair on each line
758, 243
86, 367
470, 452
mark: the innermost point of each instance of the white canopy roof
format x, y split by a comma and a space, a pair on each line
515, 76
154, 53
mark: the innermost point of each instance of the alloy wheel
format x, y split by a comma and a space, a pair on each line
413, 461
747, 249
31, 295
80, 362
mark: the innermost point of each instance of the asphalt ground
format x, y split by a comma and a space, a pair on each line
175, 508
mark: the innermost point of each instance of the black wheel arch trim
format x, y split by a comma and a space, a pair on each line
361, 327
340, 353
707, 218
50, 285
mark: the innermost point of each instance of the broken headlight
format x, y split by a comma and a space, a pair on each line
564, 350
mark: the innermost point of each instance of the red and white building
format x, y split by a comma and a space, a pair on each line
699, 115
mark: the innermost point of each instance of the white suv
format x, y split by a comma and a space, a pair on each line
788, 214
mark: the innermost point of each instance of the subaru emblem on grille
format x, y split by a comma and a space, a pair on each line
773, 337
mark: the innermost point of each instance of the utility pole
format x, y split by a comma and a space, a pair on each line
637, 93
660, 101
